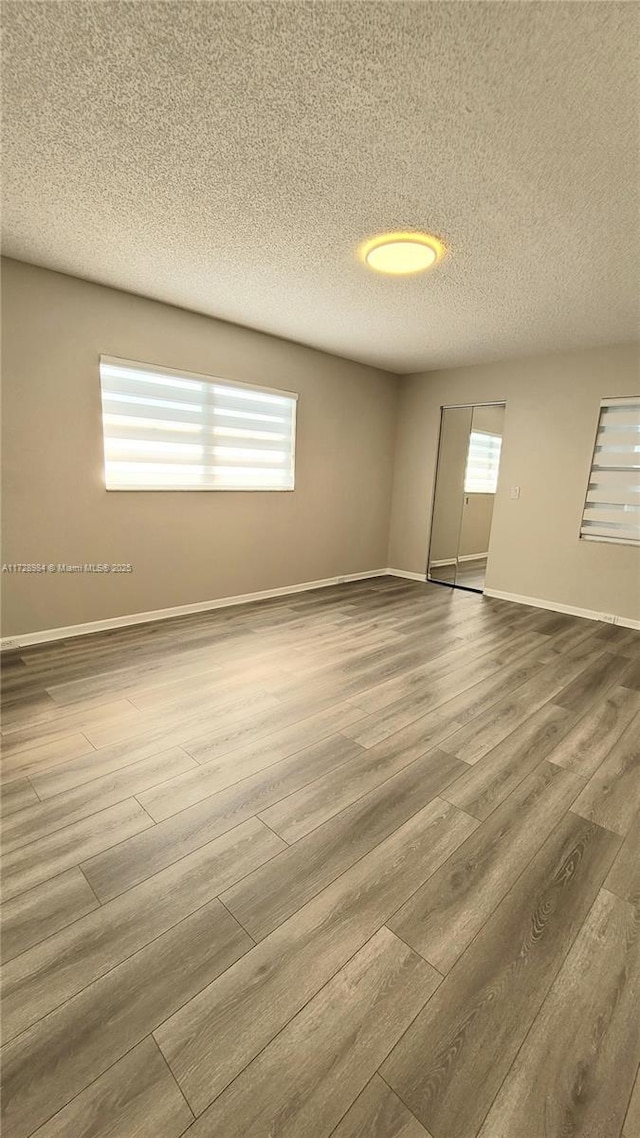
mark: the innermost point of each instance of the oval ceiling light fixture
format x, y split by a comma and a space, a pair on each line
402, 253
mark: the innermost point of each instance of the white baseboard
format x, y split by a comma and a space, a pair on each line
26, 639
7, 643
454, 561
556, 606
405, 573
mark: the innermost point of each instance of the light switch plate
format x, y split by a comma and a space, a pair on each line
514, 492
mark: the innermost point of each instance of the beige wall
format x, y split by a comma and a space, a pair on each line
190, 547
185, 547
549, 430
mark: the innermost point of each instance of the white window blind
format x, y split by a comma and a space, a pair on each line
612, 508
169, 430
483, 463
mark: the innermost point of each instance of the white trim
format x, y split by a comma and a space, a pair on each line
8, 643
23, 641
452, 560
557, 606
409, 576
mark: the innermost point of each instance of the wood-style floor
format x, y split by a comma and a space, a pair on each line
360, 862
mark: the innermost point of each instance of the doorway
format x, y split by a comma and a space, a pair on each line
469, 450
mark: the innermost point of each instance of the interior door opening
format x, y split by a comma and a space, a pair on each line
469, 450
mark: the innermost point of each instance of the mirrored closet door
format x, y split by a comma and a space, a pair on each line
466, 483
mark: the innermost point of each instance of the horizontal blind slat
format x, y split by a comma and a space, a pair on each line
204, 460
622, 498
210, 445
145, 389
164, 431
611, 529
614, 480
612, 504
483, 460
618, 436
611, 512
615, 460
171, 432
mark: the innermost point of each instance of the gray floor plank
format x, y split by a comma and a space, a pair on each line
447, 676
631, 676
624, 875
482, 787
339, 1039
265, 898
252, 730
42, 911
580, 694
441, 919
36, 759
177, 718
214, 1036
575, 1071
314, 745
612, 796
477, 699
147, 853
484, 733
47, 857
136, 1098
36, 821
46, 1066
81, 719
306, 809
162, 733
451, 1062
16, 795
45, 976
379, 1113
372, 730
587, 744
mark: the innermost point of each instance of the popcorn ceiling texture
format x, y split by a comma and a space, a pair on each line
229, 158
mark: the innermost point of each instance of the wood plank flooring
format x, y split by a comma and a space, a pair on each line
361, 862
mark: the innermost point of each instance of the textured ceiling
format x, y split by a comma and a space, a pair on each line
229, 157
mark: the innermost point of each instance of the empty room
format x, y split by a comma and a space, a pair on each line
320, 643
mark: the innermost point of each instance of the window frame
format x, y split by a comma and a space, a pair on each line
602, 538
197, 377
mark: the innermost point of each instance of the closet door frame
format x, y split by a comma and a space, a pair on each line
451, 407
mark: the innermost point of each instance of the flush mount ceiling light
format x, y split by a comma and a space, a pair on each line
402, 253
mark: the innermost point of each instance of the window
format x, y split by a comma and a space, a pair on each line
169, 430
612, 508
483, 463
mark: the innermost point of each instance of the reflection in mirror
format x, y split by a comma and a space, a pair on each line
466, 481
449, 493
481, 479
